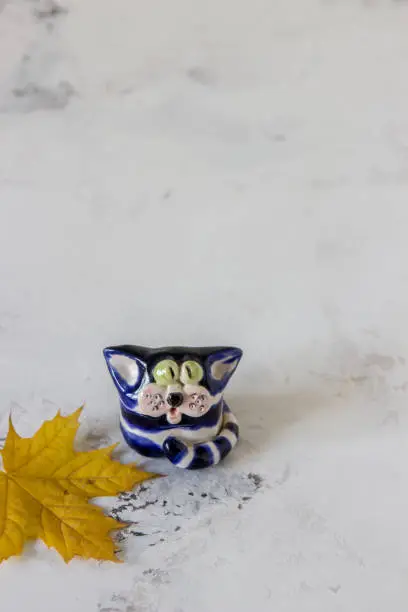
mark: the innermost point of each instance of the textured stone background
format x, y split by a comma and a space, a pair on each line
204, 173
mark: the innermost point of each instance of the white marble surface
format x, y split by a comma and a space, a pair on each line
217, 172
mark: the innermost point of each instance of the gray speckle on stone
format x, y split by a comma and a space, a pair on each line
50, 11
33, 97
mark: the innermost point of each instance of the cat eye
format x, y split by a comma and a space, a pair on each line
166, 372
191, 373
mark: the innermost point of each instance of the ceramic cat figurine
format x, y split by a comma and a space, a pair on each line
172, 401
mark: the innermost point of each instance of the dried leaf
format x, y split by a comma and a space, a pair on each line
46, 486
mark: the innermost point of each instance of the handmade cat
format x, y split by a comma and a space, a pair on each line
172, 401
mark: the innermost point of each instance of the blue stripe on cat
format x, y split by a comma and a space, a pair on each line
233, 427
142, 445
176, 449
203, 457
223, 445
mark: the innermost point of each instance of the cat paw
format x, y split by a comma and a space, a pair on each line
174, 449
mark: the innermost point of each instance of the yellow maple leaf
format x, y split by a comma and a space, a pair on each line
45, 488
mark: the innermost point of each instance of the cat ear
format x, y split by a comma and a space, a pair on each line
126, 370
220, 366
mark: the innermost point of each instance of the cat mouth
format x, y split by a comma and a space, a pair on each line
174, 416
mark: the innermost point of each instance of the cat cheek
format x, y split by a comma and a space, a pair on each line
151, 400
196, 406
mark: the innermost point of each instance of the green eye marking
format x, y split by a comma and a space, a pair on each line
191, 373
166, 372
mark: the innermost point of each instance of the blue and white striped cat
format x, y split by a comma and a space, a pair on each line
172, 401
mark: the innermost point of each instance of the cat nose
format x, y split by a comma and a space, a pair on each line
175, 399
